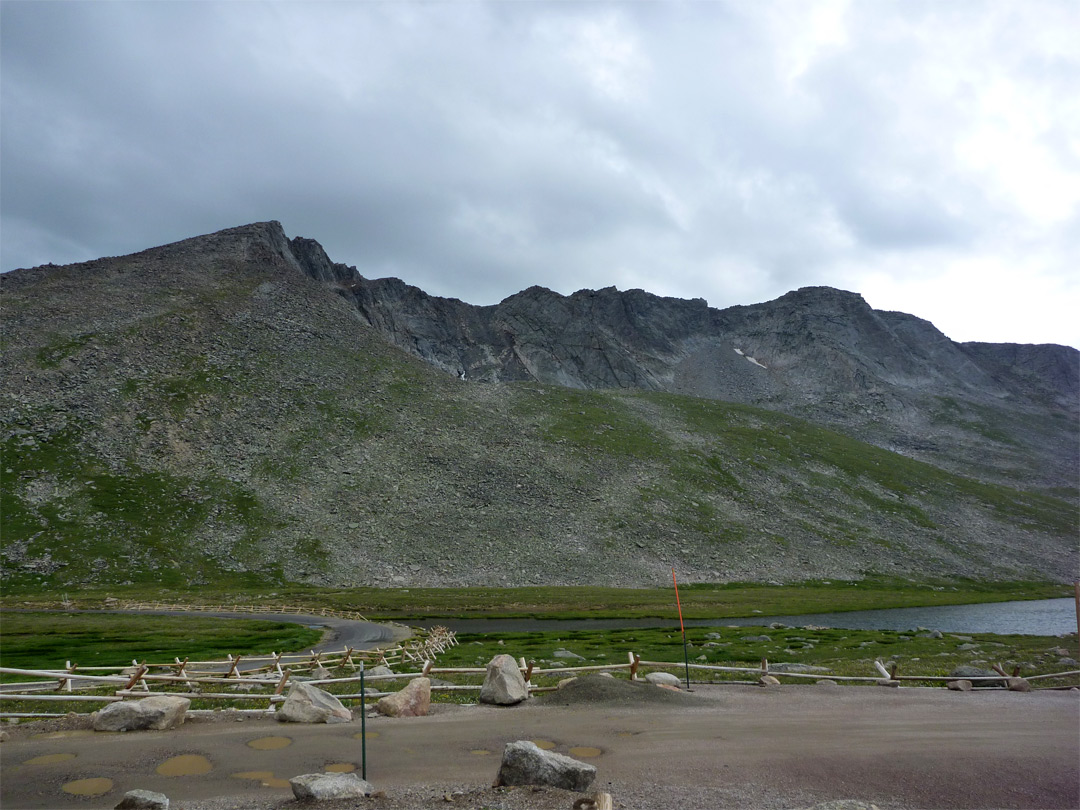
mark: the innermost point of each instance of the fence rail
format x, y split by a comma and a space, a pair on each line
137, 680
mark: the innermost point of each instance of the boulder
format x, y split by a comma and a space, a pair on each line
321, 674
768, 680
1018, 685
143, 800
159, 712
567, 654
382, 669
968, 672
412, 701
309, 704
524, 763
887, 682
961, 685
663, 679
756, 638
329, 786
504, 684
828, 682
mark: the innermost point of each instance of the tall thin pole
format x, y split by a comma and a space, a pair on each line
682, 627
1077, 586
363, 726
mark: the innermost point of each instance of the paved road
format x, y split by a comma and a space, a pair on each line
734, 747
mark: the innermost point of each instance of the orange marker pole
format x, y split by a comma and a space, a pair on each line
682, 627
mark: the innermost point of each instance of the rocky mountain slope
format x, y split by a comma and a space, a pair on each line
996, 411
236, 407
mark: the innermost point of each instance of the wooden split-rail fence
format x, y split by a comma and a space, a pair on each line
136, 681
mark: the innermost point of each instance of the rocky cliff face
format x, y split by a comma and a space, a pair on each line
999, 411
236, 408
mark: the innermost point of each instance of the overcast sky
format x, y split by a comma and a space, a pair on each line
924, 154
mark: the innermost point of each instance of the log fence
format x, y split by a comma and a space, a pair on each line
136, 681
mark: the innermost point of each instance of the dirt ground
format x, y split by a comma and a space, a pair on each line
719, 747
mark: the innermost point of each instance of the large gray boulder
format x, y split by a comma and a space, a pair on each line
504, 684
159, 712
309, 704
412, 701
329, 786
524, 763
970, 673
143, 800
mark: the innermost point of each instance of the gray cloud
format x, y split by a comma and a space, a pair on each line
726, 150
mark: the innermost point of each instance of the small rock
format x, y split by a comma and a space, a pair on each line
1018, 684
568, 654
826, 682
143, 800
662, 679
887, 682
961, 685
756, 638
768, 680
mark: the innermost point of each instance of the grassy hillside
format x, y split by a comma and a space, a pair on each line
203, 417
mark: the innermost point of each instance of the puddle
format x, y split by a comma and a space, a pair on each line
547, 745
49, 759
270, 743
89, 787
275, 782
185, 765
369, 735
60, 735
584, 751
480, 752
340, 767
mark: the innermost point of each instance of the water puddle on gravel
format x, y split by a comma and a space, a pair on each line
584, 751
480, 752
340, 767
267, 778
185, 765
546, 745
49, 759
270, 743
88, 787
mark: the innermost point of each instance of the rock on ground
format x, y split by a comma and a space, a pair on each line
412, 701
309, 704
504, 684
662, 679
143, 800
329, 786
524, 763
159, 712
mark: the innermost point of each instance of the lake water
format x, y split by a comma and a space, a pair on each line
1041, 617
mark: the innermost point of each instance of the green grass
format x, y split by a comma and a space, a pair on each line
842, 652
39, 640
701, 600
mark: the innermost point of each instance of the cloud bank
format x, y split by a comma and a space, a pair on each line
924, 154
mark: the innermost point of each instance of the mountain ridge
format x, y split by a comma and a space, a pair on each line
219, 410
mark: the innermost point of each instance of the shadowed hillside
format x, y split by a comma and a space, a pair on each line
210, 411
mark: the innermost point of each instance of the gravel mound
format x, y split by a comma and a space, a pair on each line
601, 689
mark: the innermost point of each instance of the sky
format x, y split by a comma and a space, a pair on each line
925, 154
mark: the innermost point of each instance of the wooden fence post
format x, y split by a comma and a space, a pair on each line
635, 661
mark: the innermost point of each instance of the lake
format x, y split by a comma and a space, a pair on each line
1040, 617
